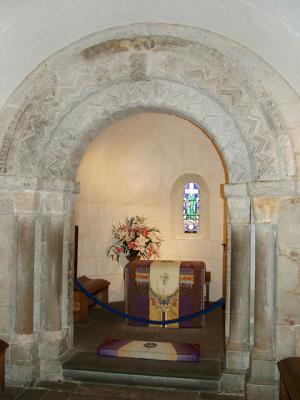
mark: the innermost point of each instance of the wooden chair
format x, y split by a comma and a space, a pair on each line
98, 287
289, 369
207, 283
3, 347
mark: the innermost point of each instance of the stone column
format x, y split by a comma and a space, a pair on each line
25, 274
7, 252
57, 276
27, 205
54, 276
24, 346
239, 225
263, 366
237, 349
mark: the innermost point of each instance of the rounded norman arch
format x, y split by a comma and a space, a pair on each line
199, 75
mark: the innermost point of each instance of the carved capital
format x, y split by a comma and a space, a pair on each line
27, 202
238, 203
265, 210
238, 210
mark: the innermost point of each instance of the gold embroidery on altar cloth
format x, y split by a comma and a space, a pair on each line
164, 291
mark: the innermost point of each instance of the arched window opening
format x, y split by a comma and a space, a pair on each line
190, 222
191, 207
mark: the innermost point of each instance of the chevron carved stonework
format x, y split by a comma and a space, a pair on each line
136, 96
46, 134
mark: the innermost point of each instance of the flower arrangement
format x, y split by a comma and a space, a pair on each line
134, 239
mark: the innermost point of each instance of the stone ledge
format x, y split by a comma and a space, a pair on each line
284, 188
235, 190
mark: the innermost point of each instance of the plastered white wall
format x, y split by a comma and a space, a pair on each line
130, 169
32, 30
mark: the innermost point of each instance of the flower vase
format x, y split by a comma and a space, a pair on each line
133, 255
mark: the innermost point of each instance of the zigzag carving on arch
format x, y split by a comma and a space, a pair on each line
159, 95
38, 124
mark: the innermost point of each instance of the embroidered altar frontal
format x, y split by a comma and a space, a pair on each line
166, 351
164, 290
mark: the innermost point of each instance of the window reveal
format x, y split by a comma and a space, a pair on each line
191, 208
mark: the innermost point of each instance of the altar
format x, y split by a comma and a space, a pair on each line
164, 290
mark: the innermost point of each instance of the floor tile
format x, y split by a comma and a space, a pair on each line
109, 392
11, 392
31, 394
98, 391
60, 386
54, 395
86, 397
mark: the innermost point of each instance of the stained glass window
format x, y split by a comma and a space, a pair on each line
191, 208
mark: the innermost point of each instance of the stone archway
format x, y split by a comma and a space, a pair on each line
45, 128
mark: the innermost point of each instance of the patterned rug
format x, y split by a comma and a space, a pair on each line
166, 351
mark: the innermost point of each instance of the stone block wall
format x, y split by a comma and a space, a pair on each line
131, 169
288, 279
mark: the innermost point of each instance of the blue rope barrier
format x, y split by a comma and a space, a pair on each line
121, 314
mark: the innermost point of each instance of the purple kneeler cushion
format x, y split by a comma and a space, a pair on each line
149, 350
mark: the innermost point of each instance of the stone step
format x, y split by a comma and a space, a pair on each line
88, 367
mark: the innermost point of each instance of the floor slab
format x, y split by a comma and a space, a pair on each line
86, 364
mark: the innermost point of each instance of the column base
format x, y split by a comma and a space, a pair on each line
237, 356
54, 348
53, 344
51, 370
234, 382
23, 363
259, 354
259, 389
264, 370
23, 349
22, 374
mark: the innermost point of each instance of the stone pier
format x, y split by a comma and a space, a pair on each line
36, 275
25, 274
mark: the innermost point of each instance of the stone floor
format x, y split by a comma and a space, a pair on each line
93, 391
103, 325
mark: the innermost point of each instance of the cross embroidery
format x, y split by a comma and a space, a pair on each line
164, 277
